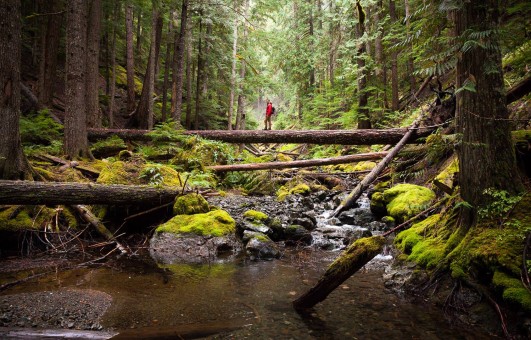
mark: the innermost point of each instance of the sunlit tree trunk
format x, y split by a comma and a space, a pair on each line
130, 60
144, 113
94, 118
486, 153
177, 86
394, 63
75, 132
233, 71
13, 164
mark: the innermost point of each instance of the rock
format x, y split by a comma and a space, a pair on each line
296, 234
195, 238
260, 247
306, 222
255, 221
190, 204
356, 216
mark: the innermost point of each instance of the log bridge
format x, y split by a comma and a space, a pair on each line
344, 137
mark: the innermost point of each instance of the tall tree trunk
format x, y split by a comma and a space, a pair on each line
312, 45
130, 59
139, 34
199, 76
177, 86
486, 154
206, 65
240, 116
332, 56
75, 133
158, 42
144, 112
13, 164
364, 121
410, 64
233, 72
93, 53
49, 51
394, 63
112, 90
189, 74
167, 62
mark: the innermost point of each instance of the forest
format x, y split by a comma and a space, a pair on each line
265, 168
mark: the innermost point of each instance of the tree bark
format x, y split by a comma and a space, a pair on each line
94, 118
13, 163
410, 64
51, 193
110, 113
144, 112
158, 42
346, 137
199, 76
394, 63
130, 59
167, 63
177, 87
349, 262
364, 121
75, 132
233, 72
49, 51
299, 164
189, 74
240, 115
486, 153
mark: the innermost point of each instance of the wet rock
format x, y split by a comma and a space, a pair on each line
260, 247
356, 216
253, 226
191, 248
306, 222
297, 234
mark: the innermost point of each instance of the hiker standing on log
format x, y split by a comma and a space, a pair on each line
269, 112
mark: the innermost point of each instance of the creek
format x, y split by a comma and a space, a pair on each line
244, 299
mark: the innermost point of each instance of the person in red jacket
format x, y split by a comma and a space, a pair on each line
269, 112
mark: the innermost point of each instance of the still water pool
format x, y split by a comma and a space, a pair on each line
252, 300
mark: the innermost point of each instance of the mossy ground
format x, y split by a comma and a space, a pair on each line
293, 188
190, 204
38, 217
488, 252
213, 223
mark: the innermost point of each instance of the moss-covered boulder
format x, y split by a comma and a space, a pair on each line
195, 238
364, 166
298, 189
402, 201
513, 291
190, 204
119, 173
259, 246
255, 221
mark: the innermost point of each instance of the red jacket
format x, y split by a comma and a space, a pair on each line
269, 109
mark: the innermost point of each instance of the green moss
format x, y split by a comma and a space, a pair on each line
427, 253
113, 142
254, 215
190, 204
407, 200
213, 223
363, 166
513, 289
162, 175
366, 247
382, 186
521, 135
118, 173
407, 239
446, 176
283, 158
15, 219
19, 218
121, 79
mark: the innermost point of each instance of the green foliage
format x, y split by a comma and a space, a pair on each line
40, 128
501, 203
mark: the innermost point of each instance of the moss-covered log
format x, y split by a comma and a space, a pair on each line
299, 164
353, 259
344, 137
35, 193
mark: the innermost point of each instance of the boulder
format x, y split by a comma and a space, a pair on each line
190, 204
297, 234
402, 201
259, 246
197, 238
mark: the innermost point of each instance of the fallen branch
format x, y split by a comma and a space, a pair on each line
300, 163
364, 184
89, 217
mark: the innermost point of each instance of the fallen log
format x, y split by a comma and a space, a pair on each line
50, 193
519, 90
300, 163
364, 184
69, 164
345, 137
353, 259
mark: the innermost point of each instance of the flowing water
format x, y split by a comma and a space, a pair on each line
245, 299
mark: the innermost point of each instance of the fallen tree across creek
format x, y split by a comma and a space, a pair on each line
50, 193
299, 164
344, 137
